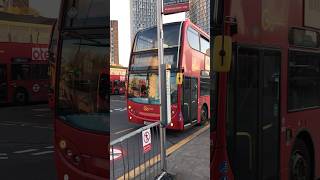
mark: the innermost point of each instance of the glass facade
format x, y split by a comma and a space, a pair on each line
143, 15
199, 14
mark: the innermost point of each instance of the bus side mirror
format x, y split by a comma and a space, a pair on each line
222, 53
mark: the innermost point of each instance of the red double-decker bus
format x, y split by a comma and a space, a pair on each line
265, 116
117, 84
81, 118
23, 58
23, 73
186, 49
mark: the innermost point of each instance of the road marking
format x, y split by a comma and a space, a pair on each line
40, 115
49, 147
42, 127
3, 158
25, 151
41, 153
118, 101
15, 122
41, 109
3, 154
122, 131
143, 166
7, 124
118, 109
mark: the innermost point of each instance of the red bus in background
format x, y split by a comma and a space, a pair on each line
81, 118
265, 116
186, 48
23, 72
117, 84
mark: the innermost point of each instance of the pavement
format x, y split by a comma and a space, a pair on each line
187, 150
192, 160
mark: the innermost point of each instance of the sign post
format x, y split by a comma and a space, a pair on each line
162, 87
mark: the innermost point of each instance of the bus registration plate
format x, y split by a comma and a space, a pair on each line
147, 123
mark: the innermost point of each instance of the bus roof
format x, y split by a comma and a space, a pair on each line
186, 21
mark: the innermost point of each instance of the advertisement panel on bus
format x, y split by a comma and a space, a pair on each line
175, 6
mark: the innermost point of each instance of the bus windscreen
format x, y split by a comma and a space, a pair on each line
143, 88
78, 96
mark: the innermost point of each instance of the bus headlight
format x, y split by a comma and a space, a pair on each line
62, 144
66, 177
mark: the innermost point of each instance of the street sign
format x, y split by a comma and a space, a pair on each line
175, 6
146, 140
115, 154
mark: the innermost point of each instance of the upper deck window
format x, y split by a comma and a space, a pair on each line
193, 39
148, 39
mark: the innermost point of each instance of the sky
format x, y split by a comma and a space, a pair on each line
120, 10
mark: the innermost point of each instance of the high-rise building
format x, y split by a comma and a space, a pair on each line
143, 14
199, 14
114, 42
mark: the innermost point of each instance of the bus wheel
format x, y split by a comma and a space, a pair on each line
21, 97
300, 166
204, 115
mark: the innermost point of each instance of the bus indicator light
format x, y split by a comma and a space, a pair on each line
66, 177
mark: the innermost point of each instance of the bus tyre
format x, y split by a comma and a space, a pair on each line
21, 97
204, 115
300, 166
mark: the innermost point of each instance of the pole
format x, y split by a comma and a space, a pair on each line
162, 87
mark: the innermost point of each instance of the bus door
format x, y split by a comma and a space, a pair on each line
253, 114
3, 83
190, 99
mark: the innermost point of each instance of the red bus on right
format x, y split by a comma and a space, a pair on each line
265, 102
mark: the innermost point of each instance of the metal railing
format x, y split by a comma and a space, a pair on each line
128, 159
